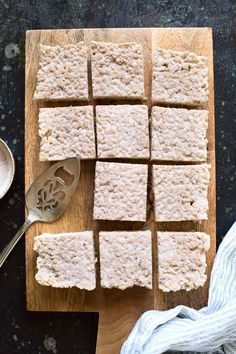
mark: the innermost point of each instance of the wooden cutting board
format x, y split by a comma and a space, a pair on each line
118, 310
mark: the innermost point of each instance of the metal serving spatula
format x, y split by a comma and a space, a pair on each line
48, 197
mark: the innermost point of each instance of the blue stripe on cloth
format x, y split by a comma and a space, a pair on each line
211, 330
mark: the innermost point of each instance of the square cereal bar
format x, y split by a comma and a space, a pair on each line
125, 259
122, 131
117, 70
179, 77
66, 260
180, 192
66, 132
179, 134
182, 260
120, 191
62, 73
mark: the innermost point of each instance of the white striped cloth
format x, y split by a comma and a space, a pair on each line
209, 330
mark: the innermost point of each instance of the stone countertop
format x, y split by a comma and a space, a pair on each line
28, 333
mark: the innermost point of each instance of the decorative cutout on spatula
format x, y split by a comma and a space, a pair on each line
51, 194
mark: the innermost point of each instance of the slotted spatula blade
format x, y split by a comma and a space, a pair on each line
48, 197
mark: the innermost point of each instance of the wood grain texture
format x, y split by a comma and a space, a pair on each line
118, 310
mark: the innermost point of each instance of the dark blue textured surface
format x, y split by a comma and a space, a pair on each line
29, 333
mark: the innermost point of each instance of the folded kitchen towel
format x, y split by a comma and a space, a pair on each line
209, 330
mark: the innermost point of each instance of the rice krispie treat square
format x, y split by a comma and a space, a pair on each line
180, 192
179, 134
66, 132
66, 260
179, 77
62, 73
117, 70
122, 131
125, 259
182, 260
120, 191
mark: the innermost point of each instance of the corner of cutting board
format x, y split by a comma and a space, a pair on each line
29, 33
